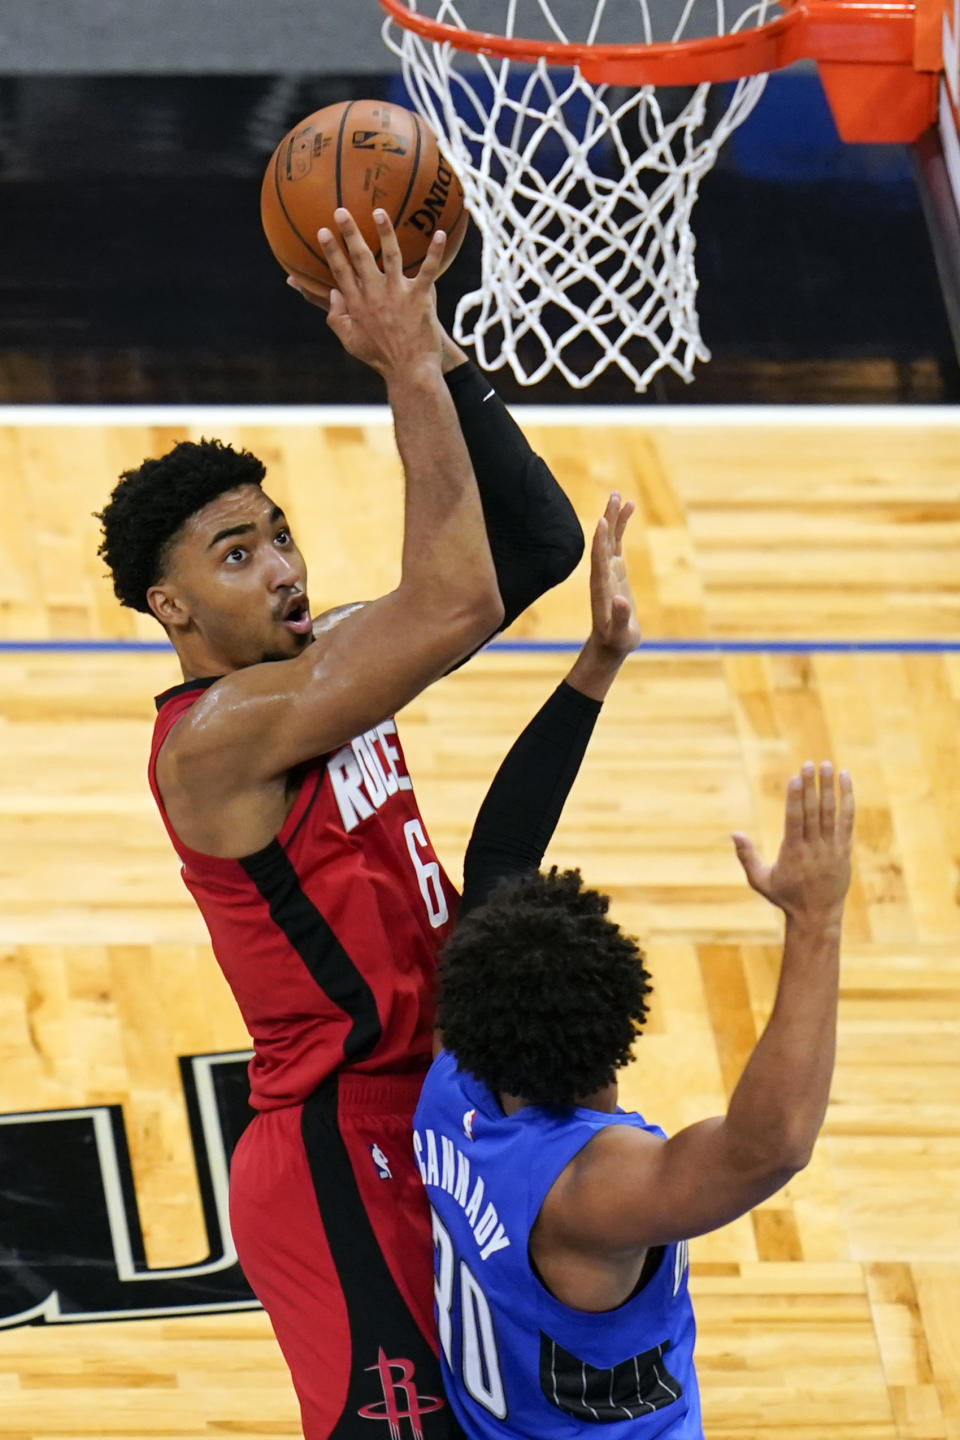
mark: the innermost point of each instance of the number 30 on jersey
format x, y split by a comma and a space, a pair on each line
479, 1363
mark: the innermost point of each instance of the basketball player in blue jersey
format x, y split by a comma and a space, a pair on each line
559, 1222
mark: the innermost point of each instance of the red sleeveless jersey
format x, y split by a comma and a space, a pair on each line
328, 937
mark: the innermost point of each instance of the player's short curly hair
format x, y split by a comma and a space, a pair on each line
541, 995
149, 505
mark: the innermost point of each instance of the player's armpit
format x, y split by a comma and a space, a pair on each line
258, 723
630, 1190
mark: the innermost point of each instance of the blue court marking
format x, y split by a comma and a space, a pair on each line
748, 647
535, 647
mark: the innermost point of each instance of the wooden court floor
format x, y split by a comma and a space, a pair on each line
830, 1313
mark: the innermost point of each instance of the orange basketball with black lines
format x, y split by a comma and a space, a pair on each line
364, 154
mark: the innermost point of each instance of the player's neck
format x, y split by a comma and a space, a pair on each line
605, 1100
198, 662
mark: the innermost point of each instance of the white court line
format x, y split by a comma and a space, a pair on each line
668, 417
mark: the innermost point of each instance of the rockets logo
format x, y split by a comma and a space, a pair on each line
400, 1399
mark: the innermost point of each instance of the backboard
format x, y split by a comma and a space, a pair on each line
938, 167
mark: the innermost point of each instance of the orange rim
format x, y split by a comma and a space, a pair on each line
839, 31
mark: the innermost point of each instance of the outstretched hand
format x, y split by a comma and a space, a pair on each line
612, 607
811, 874
615, 630
379, 315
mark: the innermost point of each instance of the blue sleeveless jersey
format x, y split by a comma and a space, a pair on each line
516, 1362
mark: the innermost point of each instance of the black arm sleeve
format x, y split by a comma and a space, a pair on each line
535, 536
522, 806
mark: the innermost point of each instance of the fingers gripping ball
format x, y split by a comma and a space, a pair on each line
362, 154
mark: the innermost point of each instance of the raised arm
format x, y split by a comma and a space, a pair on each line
259, 722
630, 1190
523, 805
535, 537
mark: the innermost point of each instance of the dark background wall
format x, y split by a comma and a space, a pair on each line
260, 37
104, 37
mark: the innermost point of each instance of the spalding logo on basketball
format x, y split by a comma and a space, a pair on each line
363, 154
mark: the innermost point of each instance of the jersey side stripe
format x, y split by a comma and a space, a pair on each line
319, 949
637, 1386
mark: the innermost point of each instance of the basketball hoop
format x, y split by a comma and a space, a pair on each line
581, 162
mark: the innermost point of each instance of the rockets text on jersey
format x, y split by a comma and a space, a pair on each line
365, 773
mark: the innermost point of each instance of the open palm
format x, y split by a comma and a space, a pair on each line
614, 613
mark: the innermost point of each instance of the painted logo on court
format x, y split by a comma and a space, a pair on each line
400, 1399
73, 1247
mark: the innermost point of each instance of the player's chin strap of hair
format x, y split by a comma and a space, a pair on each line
519, 815
535, 536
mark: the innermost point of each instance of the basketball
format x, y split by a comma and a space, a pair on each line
363, 154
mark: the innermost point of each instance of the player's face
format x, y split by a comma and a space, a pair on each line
243, 580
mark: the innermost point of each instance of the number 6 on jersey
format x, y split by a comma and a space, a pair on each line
428, 874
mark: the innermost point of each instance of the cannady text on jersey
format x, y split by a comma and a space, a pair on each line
449, 1170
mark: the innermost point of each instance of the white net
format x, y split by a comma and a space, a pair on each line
583, 193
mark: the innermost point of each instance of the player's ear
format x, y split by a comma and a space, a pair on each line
168, 606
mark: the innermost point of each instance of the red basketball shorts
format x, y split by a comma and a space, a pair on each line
332, 1229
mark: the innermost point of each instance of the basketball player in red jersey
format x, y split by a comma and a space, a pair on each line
281, 780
